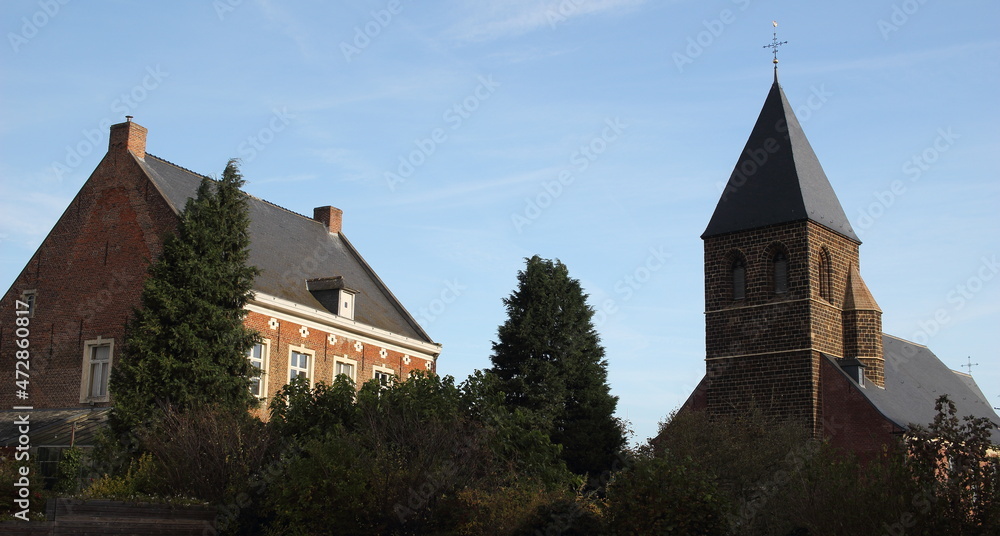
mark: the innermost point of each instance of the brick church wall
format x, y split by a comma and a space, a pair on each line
827, 310
765, 349
778, 384
863, 339
758, 348
850, 421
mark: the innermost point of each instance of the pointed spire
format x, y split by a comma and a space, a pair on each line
858, 297
778, 178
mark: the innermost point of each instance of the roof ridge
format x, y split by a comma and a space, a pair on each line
275, 205
903, 340
165, 161
261, 199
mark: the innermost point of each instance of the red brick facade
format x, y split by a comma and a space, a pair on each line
87, 277
281, 337
851, 421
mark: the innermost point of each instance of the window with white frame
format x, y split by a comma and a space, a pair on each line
97, 358
345, 303
300, 362
258, 360
384, 375
347, 367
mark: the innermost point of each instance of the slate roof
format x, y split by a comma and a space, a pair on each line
778, 178
290, 248
915, 378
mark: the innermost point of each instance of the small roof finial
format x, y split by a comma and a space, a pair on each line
774, 47
128, 118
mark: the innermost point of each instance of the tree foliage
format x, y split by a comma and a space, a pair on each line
424, 456
775, 481
665, 495
550, 363
186, 345
953, 463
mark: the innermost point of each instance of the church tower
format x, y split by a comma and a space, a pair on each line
782, 282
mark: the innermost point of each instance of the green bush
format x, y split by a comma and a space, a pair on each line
68, 473
10, 489
509, 510
833, 493
424, 456
665, 495
141, 481
209, 453
297, 411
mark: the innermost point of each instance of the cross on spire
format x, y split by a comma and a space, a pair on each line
775, 44
970, 364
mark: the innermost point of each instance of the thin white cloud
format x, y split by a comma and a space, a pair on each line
469, 193
906, 59
350, 166
501, 18
287, 24
287, 178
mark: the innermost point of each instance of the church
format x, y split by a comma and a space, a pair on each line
320, 308
790, 326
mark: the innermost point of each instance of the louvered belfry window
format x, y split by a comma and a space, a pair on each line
780, 273
739, 280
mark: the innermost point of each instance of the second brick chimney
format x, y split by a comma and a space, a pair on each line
331, 217
128, 136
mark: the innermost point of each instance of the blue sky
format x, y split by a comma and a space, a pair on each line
461, 137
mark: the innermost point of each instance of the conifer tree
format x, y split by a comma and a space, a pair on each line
186, 344
550, 362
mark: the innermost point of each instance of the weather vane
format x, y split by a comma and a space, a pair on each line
775, 43
970, 364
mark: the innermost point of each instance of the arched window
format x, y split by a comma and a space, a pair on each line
780, 273
824, 275
739, 272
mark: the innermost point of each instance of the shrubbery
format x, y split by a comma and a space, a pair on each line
424, 456
10, 488
429, 456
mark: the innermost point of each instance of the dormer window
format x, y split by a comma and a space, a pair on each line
780, 273
739, 277
855, 369
333, 295
345, 303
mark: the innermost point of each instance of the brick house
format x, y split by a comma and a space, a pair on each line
790, 325
319, 307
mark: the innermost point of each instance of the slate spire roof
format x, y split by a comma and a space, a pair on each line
778, 178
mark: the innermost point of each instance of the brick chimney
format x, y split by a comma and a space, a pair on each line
128, 136
331, 217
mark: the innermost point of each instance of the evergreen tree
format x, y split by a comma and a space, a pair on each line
550, 362
186, 345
